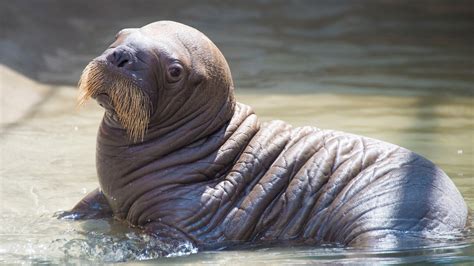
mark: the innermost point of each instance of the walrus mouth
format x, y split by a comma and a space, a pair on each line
104, 100
121, 94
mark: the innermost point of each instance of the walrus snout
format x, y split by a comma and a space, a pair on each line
118, 92
121, 57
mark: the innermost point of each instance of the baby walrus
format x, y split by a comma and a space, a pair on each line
178, 157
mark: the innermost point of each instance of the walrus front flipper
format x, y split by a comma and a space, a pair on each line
92, 206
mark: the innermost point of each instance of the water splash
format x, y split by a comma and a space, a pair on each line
47, 240
129, 247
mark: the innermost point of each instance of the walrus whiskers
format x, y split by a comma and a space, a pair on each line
130, 103
87, 85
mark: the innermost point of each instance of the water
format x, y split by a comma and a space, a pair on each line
400, 72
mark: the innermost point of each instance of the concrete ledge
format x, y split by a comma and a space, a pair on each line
19, 96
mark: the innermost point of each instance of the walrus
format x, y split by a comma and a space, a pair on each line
179, 158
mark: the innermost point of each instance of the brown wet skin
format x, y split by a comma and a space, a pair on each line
193, 164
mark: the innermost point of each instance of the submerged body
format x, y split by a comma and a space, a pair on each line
204, 169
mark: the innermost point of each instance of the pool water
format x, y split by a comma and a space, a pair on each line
48, 165
404, 76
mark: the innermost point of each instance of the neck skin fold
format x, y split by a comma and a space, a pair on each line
189, 151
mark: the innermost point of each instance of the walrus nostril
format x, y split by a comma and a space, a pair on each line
119, 58
122, 63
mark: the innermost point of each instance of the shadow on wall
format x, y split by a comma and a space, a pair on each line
51, 41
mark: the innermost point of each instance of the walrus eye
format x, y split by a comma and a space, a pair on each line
174, 72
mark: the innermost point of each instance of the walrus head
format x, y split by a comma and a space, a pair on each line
156, 76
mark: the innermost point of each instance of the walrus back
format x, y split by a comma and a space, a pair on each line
313, 185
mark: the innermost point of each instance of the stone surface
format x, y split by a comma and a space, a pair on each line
19, 96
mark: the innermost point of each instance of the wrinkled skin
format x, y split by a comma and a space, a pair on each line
209, 172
